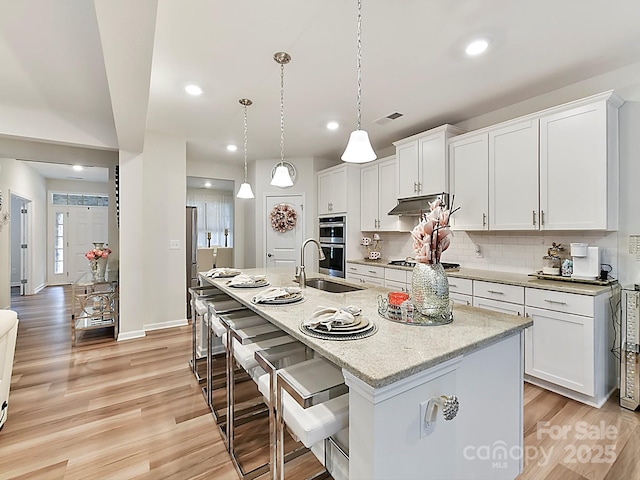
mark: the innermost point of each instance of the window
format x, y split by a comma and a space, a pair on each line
58, 244
215, 216
80, 199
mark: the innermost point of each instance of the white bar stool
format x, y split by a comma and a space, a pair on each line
198, 312
215, 306
312, 401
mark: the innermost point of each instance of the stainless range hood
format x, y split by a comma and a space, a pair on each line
415, 206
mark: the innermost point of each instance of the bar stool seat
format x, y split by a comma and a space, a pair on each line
312, 401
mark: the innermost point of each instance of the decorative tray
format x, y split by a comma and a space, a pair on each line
365, 328
543, 276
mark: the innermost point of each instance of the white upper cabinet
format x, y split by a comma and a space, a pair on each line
422, 162
379, 195
469, 158
332, 190
579, 165
513, 177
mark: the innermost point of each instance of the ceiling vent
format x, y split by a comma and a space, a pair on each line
386, 119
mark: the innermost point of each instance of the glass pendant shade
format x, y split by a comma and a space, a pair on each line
281, 178
245, 191
359, 148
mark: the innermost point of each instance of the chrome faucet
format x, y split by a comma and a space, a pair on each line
301, 276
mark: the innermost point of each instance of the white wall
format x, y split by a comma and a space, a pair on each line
18, 178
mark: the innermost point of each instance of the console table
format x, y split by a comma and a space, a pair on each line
94, 304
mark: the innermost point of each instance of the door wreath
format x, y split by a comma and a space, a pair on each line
283, 217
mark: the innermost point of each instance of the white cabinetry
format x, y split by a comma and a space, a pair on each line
371, 275
513, 177
461, 290
398, 280
334, 188
422, 162
498, 297
579, 165
378, 195
567, 348
469, 158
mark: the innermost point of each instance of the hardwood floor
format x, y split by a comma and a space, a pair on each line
133, 410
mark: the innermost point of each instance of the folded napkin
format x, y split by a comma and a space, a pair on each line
222, 272
329, 316
275, 292
244, 279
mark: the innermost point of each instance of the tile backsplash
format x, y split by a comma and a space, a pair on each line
517, 252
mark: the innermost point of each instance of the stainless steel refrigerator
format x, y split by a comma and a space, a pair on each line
191, 248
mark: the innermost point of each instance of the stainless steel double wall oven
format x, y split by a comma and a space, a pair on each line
333, 233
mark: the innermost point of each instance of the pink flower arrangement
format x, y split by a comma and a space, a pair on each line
431, 235
97, 253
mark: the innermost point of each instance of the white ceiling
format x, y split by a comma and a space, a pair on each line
110, 72
66, 172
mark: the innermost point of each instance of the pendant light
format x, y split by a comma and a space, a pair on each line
281, 177
359, 148
245, 189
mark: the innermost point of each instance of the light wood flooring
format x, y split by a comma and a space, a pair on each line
133, 410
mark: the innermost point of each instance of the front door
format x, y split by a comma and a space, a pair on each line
284, 230
86, 226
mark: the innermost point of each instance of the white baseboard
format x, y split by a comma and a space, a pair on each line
131, 335
39, 287
159, 326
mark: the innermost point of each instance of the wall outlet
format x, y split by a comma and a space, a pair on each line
424, 430
174, 244
478, 251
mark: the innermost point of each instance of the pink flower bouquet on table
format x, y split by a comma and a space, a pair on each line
431, 236
97, 253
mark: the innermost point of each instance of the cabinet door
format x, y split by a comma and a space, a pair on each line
339, 200
325, 193
387, 195
513, 177
369, 198
573, 169
408, 172
560, 349
433, 164
469, 159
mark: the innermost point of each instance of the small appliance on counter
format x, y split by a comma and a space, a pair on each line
586, 261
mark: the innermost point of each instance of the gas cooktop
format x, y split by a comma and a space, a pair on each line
411, 263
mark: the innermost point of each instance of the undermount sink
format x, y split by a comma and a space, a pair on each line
330, 286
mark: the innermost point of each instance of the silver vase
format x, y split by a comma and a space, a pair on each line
430, 294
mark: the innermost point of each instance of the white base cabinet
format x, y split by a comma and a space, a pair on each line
367, 275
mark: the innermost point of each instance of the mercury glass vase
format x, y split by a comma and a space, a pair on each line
98, 269
430, 294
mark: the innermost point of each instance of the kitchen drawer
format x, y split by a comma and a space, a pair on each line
395, 286
561, 301
460, 285
498, 291
365, 280
368, 270
460, 298
395, 275
498, 306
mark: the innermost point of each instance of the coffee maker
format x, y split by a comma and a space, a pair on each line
586, 261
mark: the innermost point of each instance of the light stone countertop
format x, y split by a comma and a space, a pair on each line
396, 350
507, 278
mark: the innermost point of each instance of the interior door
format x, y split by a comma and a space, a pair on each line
283, 248
86, 226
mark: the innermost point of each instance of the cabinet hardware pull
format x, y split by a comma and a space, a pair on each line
484, 219
555, 301
541, 217
372, 271
518, 313
526, 315
534, 218
497, 292
352, 268
453, 285
415, 187
419, 187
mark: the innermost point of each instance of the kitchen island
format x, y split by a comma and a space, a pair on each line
394, 373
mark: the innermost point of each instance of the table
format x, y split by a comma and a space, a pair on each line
94, 304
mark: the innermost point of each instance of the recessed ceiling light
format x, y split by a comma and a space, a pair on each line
193, 89
77, 168
333, 125
477, 47
208, 184
232, 148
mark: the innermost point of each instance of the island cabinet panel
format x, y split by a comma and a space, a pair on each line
387, 423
